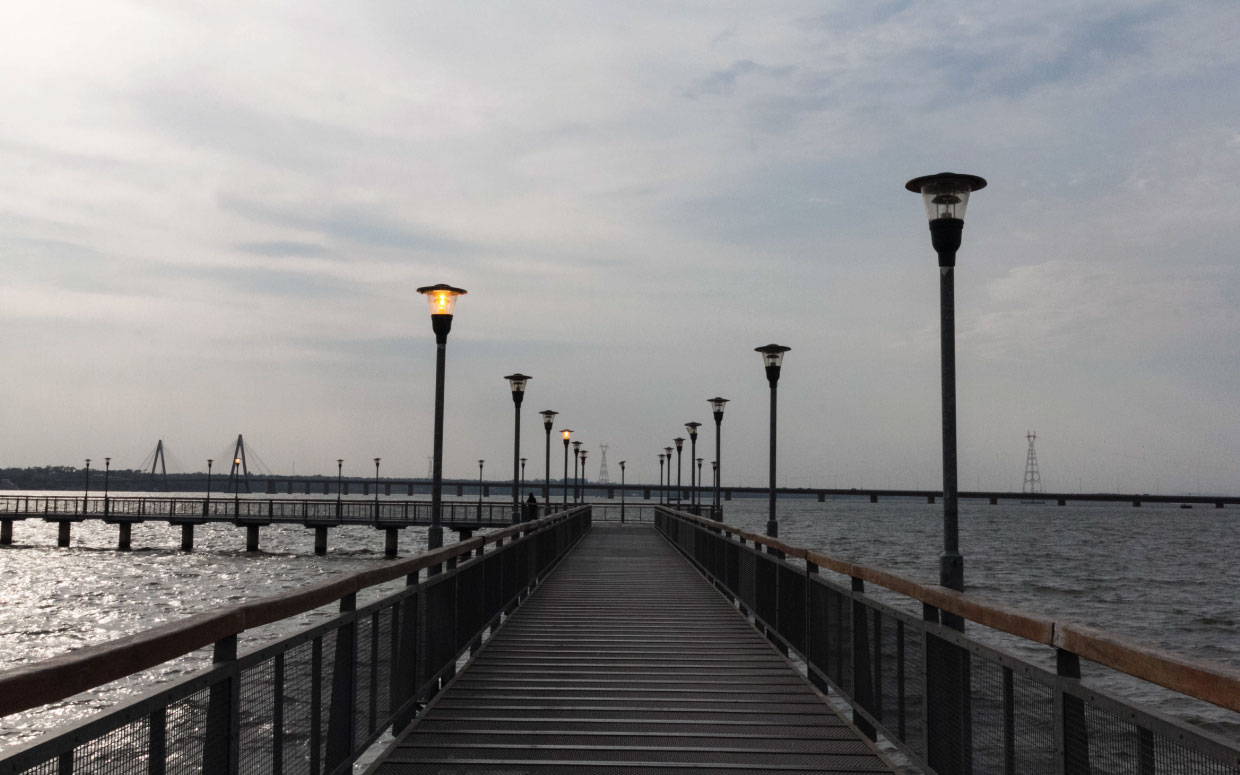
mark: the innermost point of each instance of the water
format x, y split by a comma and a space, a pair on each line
1163, 576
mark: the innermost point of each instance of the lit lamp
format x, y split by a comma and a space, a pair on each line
517, 383
692, 427
548, 418
946, 195
772, 360
567, 433
716, 407
442, 299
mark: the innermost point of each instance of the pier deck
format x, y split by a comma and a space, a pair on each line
627, 660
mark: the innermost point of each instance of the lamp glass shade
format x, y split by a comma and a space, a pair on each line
442, 298
679, 442
945, 195
692, 427
717, 404
517, 382
567, 433
548, 417
772, 354
577, 445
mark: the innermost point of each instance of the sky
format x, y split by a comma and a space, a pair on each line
214, 217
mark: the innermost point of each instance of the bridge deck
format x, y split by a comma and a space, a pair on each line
627, 660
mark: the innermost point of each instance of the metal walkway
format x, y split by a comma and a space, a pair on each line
627, 661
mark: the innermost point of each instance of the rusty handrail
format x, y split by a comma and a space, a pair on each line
51, 680
1212, 682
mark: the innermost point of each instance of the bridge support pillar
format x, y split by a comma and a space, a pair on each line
611, 493
727, 495
873, 498
822, 497
929, 499
320, 540
1217, 506
326, 488
1136, 503
390, 538
646, 494
124, 538
365, 488
187, 537
290, 486
486, 491
62, 533
271, 486
410, 489
994, 501
1062, 502
251, 538
307, 488
6, 532
460, 491
387, 488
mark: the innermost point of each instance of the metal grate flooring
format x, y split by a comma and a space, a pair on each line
627, 661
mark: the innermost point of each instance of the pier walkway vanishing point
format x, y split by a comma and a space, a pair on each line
628, 660
562, 645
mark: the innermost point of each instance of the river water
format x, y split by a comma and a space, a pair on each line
1163, 576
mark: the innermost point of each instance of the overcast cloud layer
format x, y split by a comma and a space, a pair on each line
214, 215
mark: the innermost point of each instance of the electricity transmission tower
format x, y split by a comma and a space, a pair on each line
602, 467
1032, 488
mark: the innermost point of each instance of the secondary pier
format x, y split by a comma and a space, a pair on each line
627, 659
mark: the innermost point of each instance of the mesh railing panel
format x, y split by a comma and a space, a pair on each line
186, 723
122, 751
258, 699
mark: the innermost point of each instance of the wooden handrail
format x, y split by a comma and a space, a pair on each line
51, 680
1209, 681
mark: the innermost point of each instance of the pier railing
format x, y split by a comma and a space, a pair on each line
308, 703
950, 702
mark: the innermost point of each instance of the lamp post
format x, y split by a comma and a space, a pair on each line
772, 359
86, 489
661, 456
339, 482
667, 489
442, 300
206, 507
377, 490
622, 492
567, 434
480, 463
698, 508
517, 383
945, 196
576, 479
680, 444
522, 474
692, 428
548, 418
716, 407
581, 488
107, 471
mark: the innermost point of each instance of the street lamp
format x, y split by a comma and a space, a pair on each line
517, 383
716, 407
442, 300
772, 359
548, 418
661, 457
339, 482
567, 434
206, 507
576, 476
622, 492
692, 427
581, 489
667, 489
946, 195
522, 473
698, 509
680, 444
377, 489
107, 470
480, 462
86, 492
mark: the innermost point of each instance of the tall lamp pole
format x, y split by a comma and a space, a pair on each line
206, 507
566, 433
522, 473
548, 418
698, 509
692, 428
945, 196
772, 359
582, 487
339, 482
576, 476
716, 407
622, 492
667, 488
377, 489
107, 471
442, 299
680, 445
517, 383
661, 457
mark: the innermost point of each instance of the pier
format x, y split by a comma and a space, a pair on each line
673, 643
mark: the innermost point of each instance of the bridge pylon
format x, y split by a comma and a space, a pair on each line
240, 472
157, 461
